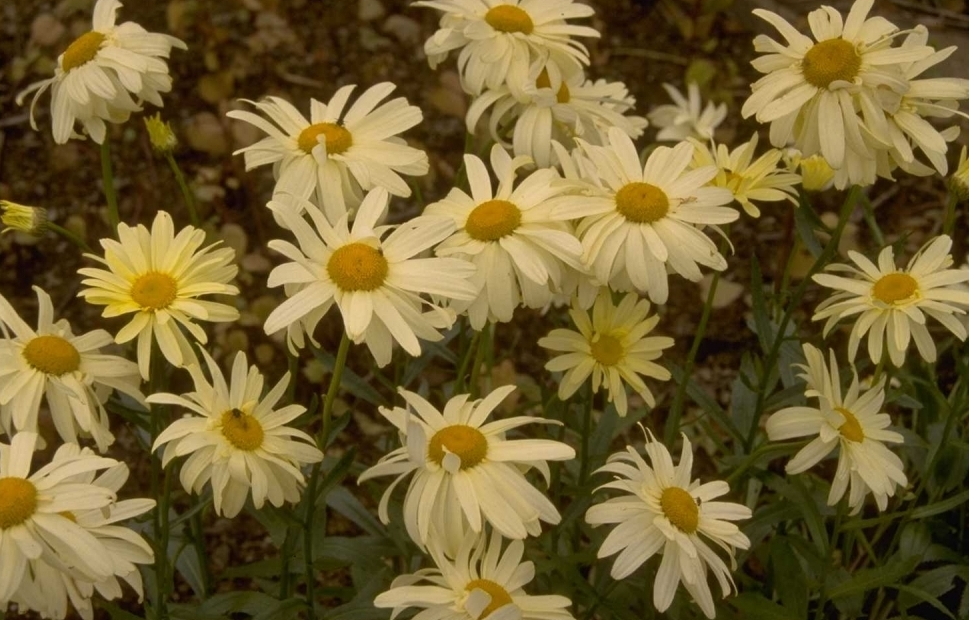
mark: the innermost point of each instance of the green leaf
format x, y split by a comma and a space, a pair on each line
709, 406
797, 493
806, 221
350, 381
255, 604
344, 502
872, 578
756, 606
939, 507
743, 400
923, 597
789, 579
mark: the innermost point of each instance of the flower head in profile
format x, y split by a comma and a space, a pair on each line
500, 39
336, 156
891, 305
50, 586
104, 75
612, 347
23, 218
466, 472
69, 371
236, 439
158, 276
664, 510
160, 134
483, 581
959, 181
640, 222
850, 420
686, 117
748, 179
374, 279
815, 172
521, 252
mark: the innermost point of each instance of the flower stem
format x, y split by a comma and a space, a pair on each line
586, 431
107, 181
63, 232
466, 359
160, 487
484, 342
949, 217
186, 190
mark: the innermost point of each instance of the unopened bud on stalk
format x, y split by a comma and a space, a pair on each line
160, 133
959, 181
816, 174
31, 220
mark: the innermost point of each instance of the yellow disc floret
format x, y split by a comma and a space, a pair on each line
831, 60
607, 350
543, 81
357, 267
52, 355
82, 50
851, 428
18, 501
509, 18
242, 430
642, 203
337, 138
681, 509
466, 442
894, 287
154, 290
493, 220
499, 595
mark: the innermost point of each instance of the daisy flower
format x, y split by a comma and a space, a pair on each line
612, 347
159, 276
482, 582
49, 585
466, 473
35, 514
826, 95
237, 439
891, 305
376, 282
746, 178
104, 75
519, 249
500, 39
69, 371
853, 423
337, 156
664, 510
686, 117
556, 108
641, 221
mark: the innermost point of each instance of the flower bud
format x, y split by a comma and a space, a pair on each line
160, 133
31, 220
959, 181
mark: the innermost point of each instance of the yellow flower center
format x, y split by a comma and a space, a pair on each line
827, 61
52, 355
357, 267
508, 18
851, 428
18, 501
154, 290
466, 442
607, 350
493, 220
82, 50
543, 81
338, 139
894, 287
242, 430
642, 203
499, 595
681, 509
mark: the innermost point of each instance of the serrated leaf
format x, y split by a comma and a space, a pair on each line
789, 579
871, 578
756, 606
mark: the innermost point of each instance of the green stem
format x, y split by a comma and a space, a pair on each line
949, 219
198, 540
479, 358
186, 190
160, 488
107, 180
586, 431
826, 255
869, 214
63, 232
334, 388
466, 359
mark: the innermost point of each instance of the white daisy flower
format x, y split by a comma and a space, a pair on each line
104, 75
826, 95
612, 347
664, 510
466, 473
337, 156
748, 179
641, 221
377, 284
853, 422
557, 107
69, 371
49, 587
482, 582
520, 250
159, 276
237, 440
891, 305
34, 515
500, 39
686, 117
